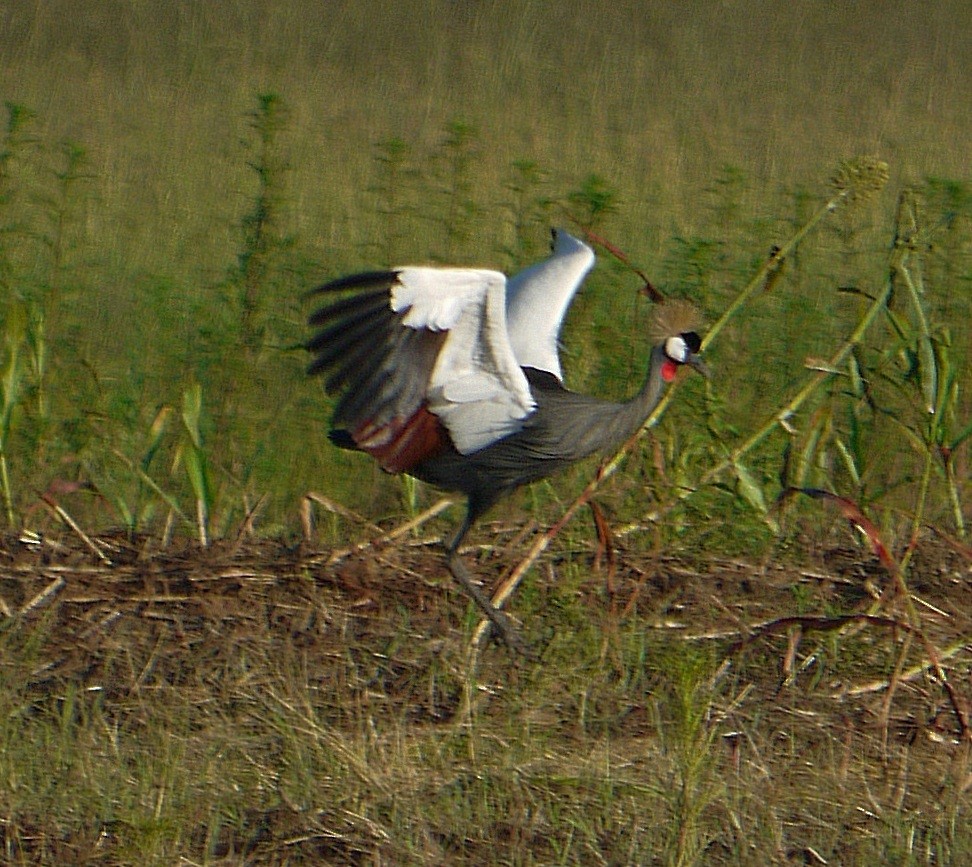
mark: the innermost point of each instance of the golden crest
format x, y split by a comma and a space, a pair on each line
675, 316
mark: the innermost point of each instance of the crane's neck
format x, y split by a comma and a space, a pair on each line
571, 426
634, 412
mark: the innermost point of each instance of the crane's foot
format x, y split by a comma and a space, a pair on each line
504, 627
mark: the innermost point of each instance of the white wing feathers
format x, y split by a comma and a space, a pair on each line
435, 298
494, 328
538, 298
477, 387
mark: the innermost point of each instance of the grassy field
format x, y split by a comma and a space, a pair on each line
195, 666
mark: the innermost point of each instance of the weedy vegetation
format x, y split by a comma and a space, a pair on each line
223, 641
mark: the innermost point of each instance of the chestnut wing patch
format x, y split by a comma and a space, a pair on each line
421, 360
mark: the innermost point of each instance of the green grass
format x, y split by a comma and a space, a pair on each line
174, 177
180, 727
164, 213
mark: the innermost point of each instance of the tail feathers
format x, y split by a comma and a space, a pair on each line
343, 439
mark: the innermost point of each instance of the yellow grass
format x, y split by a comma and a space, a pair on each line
654, 97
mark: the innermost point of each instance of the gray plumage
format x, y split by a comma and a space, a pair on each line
426, 364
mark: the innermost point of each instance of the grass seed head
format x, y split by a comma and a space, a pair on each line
861, 178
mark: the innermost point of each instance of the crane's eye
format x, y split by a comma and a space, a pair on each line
677, 349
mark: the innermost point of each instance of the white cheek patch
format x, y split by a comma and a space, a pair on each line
677, 350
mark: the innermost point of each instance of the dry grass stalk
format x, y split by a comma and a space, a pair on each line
65, 518
307, 513
42, 598
401, 530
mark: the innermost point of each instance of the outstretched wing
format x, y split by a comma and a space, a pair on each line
537, 299
420, 357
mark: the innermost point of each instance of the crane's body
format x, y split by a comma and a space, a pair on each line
453, 375
564, 428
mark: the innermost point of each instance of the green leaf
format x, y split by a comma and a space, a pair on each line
856, 379
191, 412
849, 461
809, 451
928, 368
927, 363
198, 477
751, 491
156, 432
962, 436
14, 335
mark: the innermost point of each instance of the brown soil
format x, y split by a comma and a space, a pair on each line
186, 614
188, 600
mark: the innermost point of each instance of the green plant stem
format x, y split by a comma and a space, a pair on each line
506, 588
918, 518
169, 500
771, 265
7, 496
951, 483
818, 379
781, 417
758, 280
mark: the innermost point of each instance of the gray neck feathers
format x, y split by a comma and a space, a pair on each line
584, 425
631, 415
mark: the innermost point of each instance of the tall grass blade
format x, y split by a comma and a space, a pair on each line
752, 491
11, 381
194, 458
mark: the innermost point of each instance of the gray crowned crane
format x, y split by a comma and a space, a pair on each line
453, 376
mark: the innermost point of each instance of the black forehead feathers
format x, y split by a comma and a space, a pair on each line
692, 341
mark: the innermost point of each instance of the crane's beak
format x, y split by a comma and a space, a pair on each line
695, 361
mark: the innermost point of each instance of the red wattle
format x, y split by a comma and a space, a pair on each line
669, 369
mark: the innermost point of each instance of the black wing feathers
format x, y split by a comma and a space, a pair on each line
362, 345
377, 280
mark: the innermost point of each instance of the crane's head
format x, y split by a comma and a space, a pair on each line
674, 329
682, 349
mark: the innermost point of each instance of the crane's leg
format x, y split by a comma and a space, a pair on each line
506, 629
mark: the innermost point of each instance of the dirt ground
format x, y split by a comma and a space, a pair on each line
187, 600
183, 613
